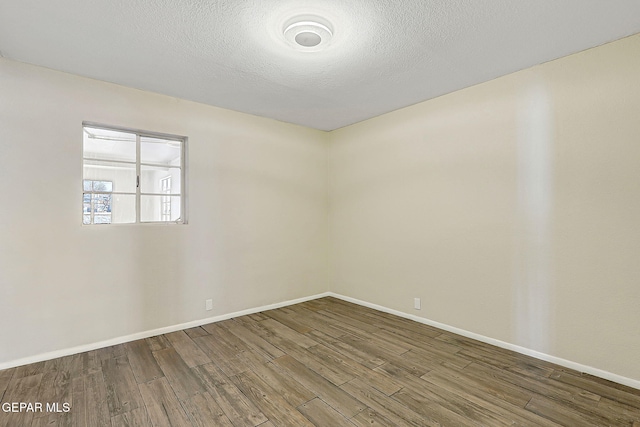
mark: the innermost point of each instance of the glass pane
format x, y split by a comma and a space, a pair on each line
153, 179
101, 203
87, 185
109, 144
102, 186
102, 219
159, 208
86, 198
120, 177
160, 151
86, 219
123, 208
86, 207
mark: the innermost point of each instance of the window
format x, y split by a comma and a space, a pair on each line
132, 177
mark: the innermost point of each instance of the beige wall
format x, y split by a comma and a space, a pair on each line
257, 216
511, 208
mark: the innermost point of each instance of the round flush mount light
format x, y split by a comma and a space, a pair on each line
308, 33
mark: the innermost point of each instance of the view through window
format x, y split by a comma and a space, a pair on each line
96, 202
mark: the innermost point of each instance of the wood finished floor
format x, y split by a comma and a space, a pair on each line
326, 363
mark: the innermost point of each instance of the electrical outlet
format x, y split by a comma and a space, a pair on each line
209, 304
416, 303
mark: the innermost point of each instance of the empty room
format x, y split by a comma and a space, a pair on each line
296, 213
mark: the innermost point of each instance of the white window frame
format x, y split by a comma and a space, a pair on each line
138, 164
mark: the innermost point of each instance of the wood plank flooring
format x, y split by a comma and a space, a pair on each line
325, 363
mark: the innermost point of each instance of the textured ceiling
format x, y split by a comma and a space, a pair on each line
385, 54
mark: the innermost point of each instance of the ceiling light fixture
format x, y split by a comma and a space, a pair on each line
308, 33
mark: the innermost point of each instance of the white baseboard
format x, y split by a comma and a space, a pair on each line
151, 333
518, 349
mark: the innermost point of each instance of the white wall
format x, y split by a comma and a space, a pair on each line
257, 216
512, 209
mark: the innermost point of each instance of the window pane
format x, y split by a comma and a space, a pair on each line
87, 185
109, 144
121, 176
86, 219
160, 151
103, 186
123, 208
102, 219
159, 208
153, 179
101, 203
